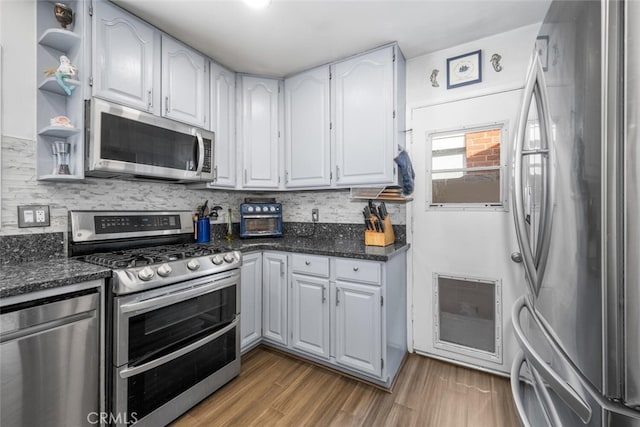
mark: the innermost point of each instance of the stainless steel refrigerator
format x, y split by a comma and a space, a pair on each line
576, 192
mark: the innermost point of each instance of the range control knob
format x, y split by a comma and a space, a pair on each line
229, 258
216, 259
164, 270
193, 265
146, 274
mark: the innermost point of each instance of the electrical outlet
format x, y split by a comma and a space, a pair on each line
314, 215
33, 216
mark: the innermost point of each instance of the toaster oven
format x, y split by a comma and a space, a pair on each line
260, 220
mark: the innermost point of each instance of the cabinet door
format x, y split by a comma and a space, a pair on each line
250, 300
307, 135
126, 59
260, 133
310, 311
358, 327
184, 86
223, 104
274, 297
363, 108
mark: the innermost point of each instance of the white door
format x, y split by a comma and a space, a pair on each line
363, 116
260, 134
307, 135
126, 59
184, 83
250, 300
358, 327
223, 104
310, 311
470, 242
274, 297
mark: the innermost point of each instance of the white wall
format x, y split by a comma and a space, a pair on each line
19, 186
514, 46
474, 244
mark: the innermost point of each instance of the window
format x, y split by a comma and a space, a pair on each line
467, 168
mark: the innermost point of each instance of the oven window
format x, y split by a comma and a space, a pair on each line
261, 224
152, 389
167, 329
135, 142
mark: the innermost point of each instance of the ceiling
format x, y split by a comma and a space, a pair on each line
293, 35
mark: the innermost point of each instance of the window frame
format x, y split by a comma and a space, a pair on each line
503, 205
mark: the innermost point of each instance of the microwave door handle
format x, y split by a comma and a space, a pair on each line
200, 153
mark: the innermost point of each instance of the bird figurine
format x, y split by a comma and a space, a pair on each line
64, 71
434, 78
64, 14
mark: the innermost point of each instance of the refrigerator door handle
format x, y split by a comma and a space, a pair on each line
555, 381
534, 264
542, 394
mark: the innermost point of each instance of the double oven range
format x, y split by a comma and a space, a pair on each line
172, 322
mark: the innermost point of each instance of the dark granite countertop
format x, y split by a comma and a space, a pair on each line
23, 278
347, 248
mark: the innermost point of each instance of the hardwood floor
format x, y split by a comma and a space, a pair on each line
276, 390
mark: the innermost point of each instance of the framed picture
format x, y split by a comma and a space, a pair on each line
542, 47
464, 69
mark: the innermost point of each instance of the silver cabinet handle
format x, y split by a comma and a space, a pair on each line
356, 268
149, 100
337, 173
245, 176
555, 381
129, 372
282, 268
286, 177
324, 297
215, 174
307, 263
166, 105
337, 296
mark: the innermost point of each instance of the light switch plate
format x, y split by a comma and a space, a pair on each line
33, 216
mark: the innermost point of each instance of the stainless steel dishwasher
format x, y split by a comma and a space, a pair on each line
49, 361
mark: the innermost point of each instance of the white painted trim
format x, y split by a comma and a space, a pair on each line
466, 365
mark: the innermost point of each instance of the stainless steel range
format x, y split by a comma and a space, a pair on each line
173, 311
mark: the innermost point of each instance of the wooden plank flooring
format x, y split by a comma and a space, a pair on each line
276, 390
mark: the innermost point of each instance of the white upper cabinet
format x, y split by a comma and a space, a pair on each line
260, 132
223, 104
307, 134
126, 59
363, 109
184, 83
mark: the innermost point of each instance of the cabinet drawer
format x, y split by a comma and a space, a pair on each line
310, 264
358, 270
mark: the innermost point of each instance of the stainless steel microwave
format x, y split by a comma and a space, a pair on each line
124, 142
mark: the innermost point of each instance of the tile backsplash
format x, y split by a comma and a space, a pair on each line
20, 187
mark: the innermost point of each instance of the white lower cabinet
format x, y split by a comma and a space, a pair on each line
310, 314
345, 313
274, 297
359, 327
250, 300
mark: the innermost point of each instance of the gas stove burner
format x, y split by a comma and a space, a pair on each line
152, 255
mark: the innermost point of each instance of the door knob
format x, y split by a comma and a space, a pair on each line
516, 257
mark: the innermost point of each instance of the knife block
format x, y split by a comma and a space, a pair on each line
380, 238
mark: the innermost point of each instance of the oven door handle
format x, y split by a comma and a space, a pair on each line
261, 216
129, 372
178, 296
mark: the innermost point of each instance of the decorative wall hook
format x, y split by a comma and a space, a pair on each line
495, 61
434, 77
